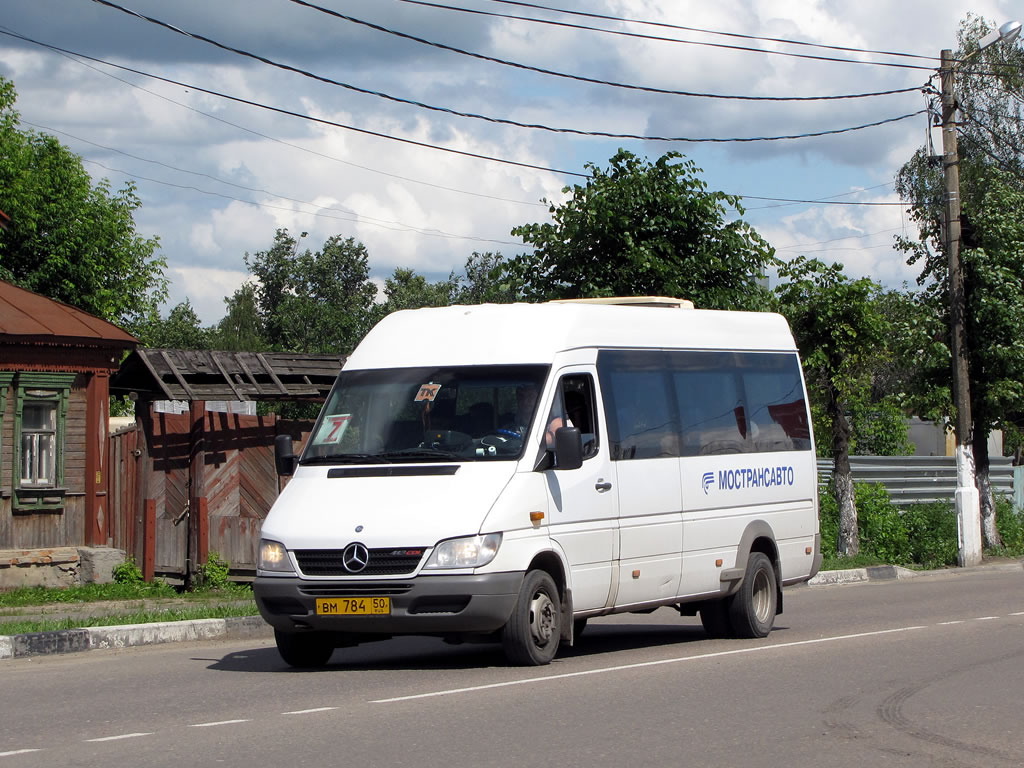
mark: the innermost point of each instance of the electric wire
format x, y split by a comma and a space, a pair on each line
357, 219
738, 35
623, 33
490, 119
359, 216
591, 80
298, 147
301, 115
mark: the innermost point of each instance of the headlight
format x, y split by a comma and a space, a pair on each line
470, 552
274, 557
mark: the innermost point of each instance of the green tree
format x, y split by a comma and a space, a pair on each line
488, 280
318, 302
990, 97
70, 240
641, 228
181, 329
407, 290
841, 332
240, 330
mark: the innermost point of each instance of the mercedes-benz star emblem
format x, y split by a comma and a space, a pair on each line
355, 557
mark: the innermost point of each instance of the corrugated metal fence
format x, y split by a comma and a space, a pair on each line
918, 479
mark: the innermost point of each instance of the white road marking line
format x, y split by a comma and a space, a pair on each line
122, 736
1019, 613
308, 711
949, 623
18, 752
987, 618
219, 722
642, 664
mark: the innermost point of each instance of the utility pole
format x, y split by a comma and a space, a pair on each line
968, 508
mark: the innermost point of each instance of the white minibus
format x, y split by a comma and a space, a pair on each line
507, 472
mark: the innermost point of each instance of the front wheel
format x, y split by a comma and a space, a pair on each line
531, 636
752, 609
304, 649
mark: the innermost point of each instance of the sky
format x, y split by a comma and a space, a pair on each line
365, 145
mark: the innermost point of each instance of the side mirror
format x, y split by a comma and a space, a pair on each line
568, 448
284, 456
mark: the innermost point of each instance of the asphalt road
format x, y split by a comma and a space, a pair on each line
923, 672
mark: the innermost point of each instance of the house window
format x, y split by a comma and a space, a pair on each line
39, 443
39, 422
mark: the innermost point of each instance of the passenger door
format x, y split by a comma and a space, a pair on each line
644, 438
582, 502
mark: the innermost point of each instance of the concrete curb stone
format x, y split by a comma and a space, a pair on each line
130, 635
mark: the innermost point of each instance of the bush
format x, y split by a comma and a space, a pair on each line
923, 535
127, 572
932, 530
1010, 524
213, 574
883, 532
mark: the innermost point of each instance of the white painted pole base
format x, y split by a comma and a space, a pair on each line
968, 509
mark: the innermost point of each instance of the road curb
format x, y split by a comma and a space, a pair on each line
853, 575
130, 635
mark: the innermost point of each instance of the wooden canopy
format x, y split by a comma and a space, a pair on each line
182, 374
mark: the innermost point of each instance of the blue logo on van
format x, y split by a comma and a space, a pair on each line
707, 481
762, 477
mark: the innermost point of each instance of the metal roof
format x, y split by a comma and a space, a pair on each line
183, 374
27, 317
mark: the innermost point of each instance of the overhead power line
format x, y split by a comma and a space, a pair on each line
496, 120
637, 35
301, 115
298, 147
736, 35
359, 217
592, 80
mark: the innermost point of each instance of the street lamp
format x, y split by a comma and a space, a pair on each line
968, 508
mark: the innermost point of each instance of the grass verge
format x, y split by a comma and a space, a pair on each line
93, 593
218, 611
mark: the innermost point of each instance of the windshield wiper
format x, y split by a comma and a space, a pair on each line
348, 458
422, 453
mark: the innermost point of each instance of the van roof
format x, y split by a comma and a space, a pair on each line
534, 333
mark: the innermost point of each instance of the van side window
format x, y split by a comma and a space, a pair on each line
641, 411
574, 406
702, 403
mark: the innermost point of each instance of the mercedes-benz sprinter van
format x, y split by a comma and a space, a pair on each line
506, 472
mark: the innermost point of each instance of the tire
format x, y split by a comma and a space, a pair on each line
714, 615
531, 636
752, 608
304, 650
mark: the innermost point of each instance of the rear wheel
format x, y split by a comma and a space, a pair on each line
530, 638
304, 649
752, 608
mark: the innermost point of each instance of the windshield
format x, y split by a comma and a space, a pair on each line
464, 413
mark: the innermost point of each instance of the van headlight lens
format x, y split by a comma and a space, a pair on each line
468, 552
274, 557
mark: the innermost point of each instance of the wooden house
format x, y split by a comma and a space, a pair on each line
55, 368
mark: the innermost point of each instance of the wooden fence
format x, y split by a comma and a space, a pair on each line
169, 527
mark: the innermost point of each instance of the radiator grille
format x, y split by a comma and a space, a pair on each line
390, 561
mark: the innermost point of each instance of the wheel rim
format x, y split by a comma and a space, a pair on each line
761, 596
543, 621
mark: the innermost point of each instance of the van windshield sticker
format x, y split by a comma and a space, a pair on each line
333, 428
427, 392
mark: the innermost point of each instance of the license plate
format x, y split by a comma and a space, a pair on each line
353, 606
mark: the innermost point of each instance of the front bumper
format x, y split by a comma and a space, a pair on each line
422, 605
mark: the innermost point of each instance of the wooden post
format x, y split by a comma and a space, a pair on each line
203, 548
197, 460
97, 410
149, 540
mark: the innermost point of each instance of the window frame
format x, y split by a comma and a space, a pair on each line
53, 388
